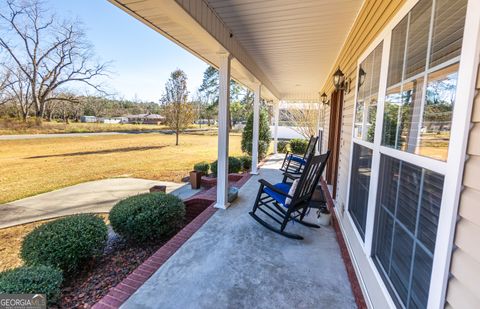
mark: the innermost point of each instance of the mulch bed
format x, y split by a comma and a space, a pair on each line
119, 259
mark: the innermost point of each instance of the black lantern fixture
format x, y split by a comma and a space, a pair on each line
340, 82
324, 99
338, 79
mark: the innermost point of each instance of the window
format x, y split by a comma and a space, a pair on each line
417, 104
359, 186
367, 95
421, 92
408, 207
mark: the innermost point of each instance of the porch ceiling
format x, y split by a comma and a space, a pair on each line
295, 43
288, 46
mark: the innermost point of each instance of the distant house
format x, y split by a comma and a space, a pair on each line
145, 118
88, 119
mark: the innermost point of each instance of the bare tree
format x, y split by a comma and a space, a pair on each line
47, 53
303, 119
5, 83
177, 112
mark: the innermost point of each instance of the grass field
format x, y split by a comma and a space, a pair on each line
13, 126
30, 167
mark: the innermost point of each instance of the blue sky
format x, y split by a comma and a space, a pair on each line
142, 58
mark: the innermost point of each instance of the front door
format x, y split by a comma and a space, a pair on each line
335, 127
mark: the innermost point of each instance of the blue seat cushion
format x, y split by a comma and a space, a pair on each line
284, 187
297, 159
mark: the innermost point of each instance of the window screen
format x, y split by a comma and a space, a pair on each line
407, 211
359, 186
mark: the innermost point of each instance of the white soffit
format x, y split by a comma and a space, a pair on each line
295, 43
289, 46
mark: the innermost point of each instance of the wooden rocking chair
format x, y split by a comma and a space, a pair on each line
276, 202
294, 163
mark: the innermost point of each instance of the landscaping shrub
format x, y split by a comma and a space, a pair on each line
234, 166
264, 135
246, 162
147, 217
298, 145
65, 243
282, 146
32, 280
202, 167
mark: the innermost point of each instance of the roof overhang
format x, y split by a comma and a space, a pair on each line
287, 46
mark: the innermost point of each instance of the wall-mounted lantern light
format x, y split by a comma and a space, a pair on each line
340, 82
324, 99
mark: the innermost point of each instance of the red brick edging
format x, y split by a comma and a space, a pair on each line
352, 276
117, 295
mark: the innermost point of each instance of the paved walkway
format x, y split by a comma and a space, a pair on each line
234, 262
93, 196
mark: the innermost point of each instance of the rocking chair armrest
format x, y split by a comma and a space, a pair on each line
273, 188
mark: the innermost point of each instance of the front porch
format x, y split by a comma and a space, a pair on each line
233, 262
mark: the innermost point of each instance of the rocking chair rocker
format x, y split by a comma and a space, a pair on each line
276, 202
294, 163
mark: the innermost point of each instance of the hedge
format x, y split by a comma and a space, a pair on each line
66, 243
234, 165
147, 217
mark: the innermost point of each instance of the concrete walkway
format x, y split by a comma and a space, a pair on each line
234, 262
93, 196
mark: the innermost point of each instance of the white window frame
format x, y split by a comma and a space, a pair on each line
452, 169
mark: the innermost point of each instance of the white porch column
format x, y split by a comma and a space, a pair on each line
256, 125
223, 106
276, 113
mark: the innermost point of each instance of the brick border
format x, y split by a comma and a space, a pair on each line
352, 275
118, 294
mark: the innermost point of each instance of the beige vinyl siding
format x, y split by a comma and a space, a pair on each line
371, 20
464, 285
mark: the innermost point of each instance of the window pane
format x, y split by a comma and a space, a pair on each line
371, 118
448, 26
410, 115
402, 116
359, 186
393, 103
438, 111
418, 38
367, 95
397, 51
405, 229
430, 209
358, 130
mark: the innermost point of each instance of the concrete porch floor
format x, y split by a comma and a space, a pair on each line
234, 262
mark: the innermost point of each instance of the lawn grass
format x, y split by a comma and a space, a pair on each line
30, 167
14, 127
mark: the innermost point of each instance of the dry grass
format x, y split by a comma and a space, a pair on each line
13, 126
30, 167
12, 238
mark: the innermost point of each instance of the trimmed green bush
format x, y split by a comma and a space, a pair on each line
147, 217
65, 243
32, 280
202, 167
246, 162
298, 145
282, 146
234, 166
264, 135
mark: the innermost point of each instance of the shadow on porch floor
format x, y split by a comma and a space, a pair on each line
234, 262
